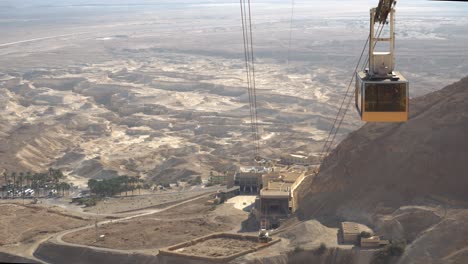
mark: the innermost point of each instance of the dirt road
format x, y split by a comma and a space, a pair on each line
58, 238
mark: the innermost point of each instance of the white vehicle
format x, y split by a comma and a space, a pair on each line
263, 236
52, 192
28, 192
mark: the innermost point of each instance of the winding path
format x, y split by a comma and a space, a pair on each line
58, 237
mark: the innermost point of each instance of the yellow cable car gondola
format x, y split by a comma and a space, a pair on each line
381, 93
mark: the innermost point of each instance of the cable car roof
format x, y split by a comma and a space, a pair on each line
365, 77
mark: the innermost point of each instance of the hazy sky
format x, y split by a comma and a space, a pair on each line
319, 5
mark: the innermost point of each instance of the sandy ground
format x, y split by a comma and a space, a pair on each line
147, 233
26, 226
241, 202
124, 204
219, 247
191, 220
23, 226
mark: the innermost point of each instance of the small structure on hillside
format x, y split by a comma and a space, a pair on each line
350, 232
298, 159
357, 234
373, 242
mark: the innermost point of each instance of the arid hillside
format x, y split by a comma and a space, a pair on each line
391, 164
408, 181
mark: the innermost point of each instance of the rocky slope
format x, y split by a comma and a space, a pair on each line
147, 117
407, 180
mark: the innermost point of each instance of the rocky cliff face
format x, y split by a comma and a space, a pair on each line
407, 180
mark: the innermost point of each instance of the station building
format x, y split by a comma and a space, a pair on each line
249, 179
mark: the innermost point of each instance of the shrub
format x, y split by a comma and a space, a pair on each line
365, 234
321, 249
88, 202
298, 249
196, 181
397, 248
389, 252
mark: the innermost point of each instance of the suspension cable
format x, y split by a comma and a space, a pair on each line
253, 82
290, 30
247, 70
247, 35
335, 128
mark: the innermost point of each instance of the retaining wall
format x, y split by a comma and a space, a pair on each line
168, 255
54, 253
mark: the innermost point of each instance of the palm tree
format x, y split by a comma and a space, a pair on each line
126, 180
28, 179
92, 184
71, 186
138, 180
5, 175
66, 187
13, 175
59, 187
133, 180
42, 179
34, 178
55, 175
20, 180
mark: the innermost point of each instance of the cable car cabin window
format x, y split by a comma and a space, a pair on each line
385, 97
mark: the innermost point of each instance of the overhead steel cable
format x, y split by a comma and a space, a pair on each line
250, 71
350, 98
342, 111
253, 102
334, 129
247, 70
290, 30
253, 82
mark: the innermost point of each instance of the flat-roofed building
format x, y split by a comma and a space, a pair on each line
287, 176
350, 232
249, 179
373, 242
270, 176
370, 242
